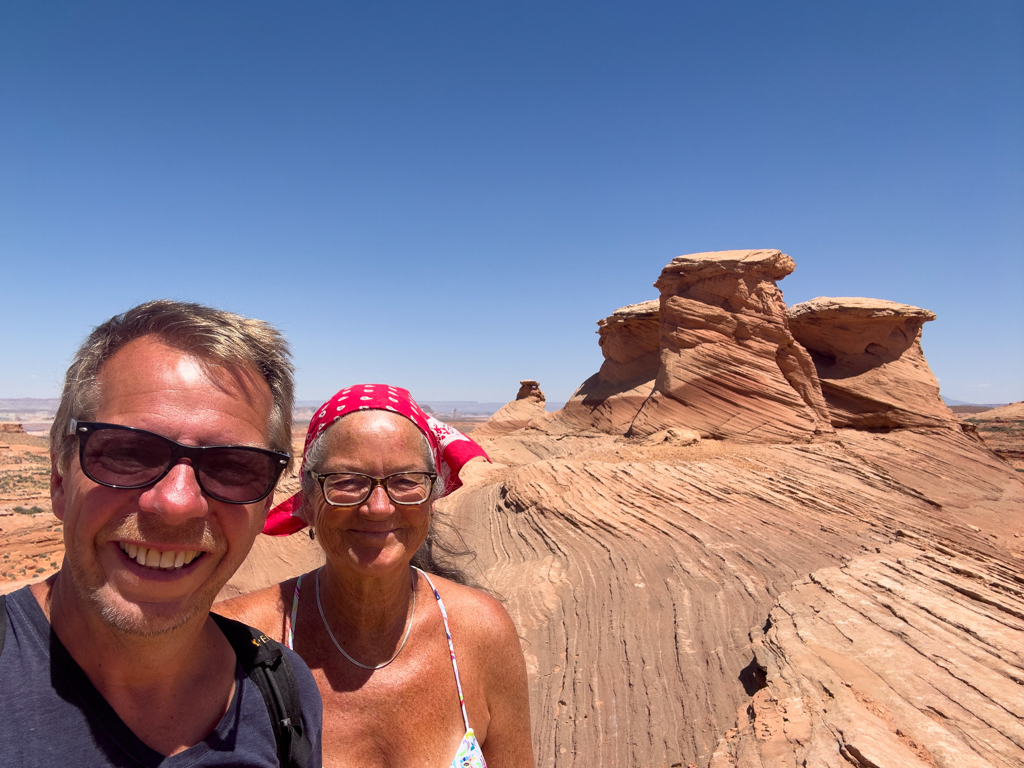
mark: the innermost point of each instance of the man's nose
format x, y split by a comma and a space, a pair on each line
177, 496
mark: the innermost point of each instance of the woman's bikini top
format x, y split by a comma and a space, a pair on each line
469, 754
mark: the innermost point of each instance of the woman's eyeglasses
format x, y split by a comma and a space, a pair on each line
349, 489
125, 457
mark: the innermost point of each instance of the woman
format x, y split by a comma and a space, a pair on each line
414, 668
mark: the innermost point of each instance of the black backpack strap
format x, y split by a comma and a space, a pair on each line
264, 663
3, 620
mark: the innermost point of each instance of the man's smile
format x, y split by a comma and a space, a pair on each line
150, 557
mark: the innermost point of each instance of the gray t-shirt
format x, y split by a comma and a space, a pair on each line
52, 715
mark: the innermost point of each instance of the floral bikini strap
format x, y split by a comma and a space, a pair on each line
289, 626
448, 633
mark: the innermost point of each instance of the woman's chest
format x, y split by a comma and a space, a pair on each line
418, 723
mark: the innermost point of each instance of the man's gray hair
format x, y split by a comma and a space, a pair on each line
214, 337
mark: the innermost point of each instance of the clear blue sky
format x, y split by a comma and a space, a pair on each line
447, 196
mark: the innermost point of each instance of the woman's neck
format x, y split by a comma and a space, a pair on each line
367, 616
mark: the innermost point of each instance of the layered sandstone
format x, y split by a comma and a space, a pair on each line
730, 368
528, 405
868, 358
759, 600
610, 399
1002, 430
642, 577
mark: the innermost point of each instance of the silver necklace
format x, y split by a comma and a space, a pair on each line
337, 645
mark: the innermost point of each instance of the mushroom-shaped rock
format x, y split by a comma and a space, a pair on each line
729, 366
529, 388
609, 400
868, 357
528, 405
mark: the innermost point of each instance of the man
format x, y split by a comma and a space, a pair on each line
173, 428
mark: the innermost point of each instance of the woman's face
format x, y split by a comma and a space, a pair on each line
378, 535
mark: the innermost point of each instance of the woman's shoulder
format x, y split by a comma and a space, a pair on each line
475, 615
264, 609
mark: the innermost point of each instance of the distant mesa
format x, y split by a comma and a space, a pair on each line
1002, 429
868, 357
11, 428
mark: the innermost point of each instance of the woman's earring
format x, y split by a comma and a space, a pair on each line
312, 534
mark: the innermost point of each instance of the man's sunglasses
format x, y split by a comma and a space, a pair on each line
125, 457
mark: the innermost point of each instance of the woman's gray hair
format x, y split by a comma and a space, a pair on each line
444, 548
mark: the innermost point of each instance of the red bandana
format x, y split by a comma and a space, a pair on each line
451, 448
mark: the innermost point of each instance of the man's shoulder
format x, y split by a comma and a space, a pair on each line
287, 687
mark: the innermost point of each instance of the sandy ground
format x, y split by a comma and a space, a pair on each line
31, 545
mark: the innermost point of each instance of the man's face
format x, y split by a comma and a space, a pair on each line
151, 386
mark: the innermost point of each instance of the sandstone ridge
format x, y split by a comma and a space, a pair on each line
830, 577
718, 557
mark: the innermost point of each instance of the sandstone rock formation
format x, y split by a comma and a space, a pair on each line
762, 598
528, 405
610, 399
1002, 429
637, 575
867, 354
730, 368
909, 657
12, 428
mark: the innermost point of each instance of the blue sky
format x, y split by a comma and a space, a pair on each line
447, 196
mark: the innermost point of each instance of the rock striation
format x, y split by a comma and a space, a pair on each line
771, 597
868, 358
730, 368
909, 657
1002, 430
641, 578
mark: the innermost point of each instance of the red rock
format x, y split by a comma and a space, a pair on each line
730, 369
610, 399
1002, 430
528, 405
867, 354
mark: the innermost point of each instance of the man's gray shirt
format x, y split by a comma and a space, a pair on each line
52, 715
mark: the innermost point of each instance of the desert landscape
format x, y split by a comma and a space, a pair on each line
755, 537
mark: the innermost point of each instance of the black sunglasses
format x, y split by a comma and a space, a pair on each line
124, 457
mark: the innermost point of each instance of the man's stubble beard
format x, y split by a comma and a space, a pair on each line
128, 618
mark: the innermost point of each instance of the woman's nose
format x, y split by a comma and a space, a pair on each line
378, 503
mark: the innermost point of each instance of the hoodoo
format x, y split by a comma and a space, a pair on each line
868, 357
730, 368
528, 405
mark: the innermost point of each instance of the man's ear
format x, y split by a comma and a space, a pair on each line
57, 494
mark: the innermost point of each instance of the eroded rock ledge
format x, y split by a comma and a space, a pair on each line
868, 358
